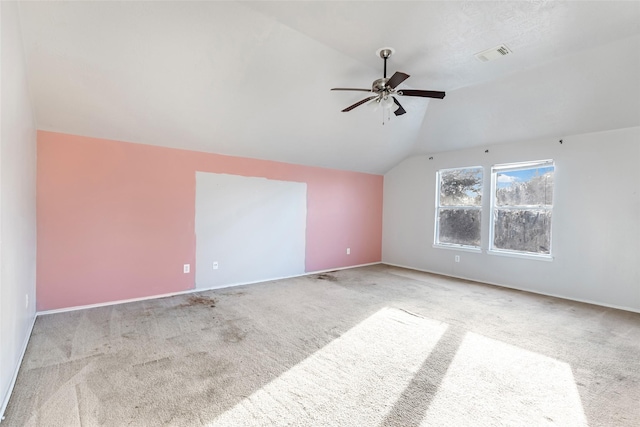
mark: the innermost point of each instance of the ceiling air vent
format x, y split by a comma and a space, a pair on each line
493, 53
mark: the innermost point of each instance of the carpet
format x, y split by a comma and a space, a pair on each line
371, 346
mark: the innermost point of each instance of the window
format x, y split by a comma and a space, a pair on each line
522, 204
459, 207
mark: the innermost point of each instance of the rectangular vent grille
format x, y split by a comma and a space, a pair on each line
493, 53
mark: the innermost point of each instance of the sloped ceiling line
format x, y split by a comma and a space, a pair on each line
252, 79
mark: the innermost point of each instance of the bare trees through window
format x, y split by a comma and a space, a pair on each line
522, 207
459, 207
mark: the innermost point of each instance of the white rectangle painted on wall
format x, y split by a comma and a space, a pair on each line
253, 228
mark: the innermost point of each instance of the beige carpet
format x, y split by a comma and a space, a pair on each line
374, 346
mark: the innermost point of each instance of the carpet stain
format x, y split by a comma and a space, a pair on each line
235, 294
232, 333
198, 300
328, 277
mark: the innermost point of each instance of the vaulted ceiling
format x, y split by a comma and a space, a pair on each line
252, 79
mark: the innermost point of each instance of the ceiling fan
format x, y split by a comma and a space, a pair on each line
384, 89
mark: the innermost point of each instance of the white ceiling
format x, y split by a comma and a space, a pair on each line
252, 79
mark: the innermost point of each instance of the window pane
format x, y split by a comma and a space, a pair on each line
525, 187
460, 187
523, 230
459, 226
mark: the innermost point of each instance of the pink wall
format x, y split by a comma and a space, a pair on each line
116, 220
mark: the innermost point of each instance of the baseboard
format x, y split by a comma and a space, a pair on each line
585, 301
190, 291
108, 303
17, 369
310, 273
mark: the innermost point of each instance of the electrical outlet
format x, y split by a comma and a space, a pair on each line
26, 301
457, 258
348, 251
186, 268
215, 265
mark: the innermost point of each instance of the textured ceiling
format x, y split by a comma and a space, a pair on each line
252, 78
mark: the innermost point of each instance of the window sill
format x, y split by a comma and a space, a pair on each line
520, 255
458, 248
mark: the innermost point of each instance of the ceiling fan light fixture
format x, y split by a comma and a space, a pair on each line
374, 104
387, 102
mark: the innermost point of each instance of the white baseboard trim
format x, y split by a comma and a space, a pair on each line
617, 307
108, 303
190, 291
17, 369
310, 273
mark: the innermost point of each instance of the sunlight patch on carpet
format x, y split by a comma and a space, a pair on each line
492, 383
354, 380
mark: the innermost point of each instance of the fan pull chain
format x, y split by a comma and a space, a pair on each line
388, 111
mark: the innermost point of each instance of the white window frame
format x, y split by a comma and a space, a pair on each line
436, 234
510, 167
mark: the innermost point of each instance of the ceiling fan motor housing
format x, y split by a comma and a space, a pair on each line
379, 85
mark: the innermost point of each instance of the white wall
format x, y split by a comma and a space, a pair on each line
254, 228
17, 202
596, 217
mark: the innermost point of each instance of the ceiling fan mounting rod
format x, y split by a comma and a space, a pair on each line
384, 54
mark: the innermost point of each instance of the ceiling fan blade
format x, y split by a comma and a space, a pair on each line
396, 79
400, 111
422, 93
350, 88
359, 103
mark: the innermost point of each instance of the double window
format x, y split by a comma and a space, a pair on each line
521, 208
